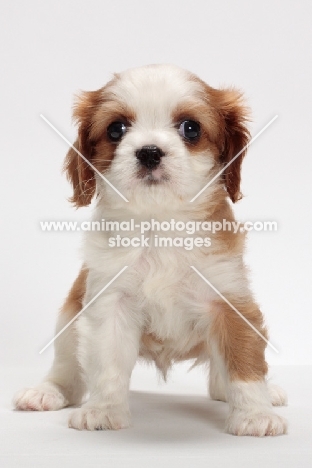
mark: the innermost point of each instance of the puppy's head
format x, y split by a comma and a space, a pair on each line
157, 133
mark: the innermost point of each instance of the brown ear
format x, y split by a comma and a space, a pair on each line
235, 137
79, 172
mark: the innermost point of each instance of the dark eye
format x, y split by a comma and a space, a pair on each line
116, 131
189, 130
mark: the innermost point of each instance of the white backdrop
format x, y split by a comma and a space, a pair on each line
50, 50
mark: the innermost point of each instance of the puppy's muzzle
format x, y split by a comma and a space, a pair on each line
149, 156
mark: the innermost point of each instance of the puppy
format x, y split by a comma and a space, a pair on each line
158, 135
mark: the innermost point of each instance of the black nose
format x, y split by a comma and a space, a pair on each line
149, 156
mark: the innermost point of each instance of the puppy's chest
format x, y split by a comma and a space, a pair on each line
163, 275
171, 305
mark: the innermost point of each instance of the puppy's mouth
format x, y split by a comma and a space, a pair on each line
152, 176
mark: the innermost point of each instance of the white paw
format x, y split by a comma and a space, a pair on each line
92, 418
260, 423
45, 397
277, 395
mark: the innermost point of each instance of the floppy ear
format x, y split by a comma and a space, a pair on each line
234, 116
78, 171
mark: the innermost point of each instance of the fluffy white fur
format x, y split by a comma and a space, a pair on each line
159, 292
250, 411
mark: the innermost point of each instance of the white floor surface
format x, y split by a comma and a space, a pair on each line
174, 425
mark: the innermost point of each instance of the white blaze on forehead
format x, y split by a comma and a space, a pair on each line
154, 91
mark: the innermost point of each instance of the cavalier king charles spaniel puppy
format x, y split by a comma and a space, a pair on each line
158, 134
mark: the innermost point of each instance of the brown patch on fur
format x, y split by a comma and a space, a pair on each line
240, 346
73, 302
109, 112
225, 240
233, 137
163, 354
224, 118
206, 117
79, 173
217, 210
93, 112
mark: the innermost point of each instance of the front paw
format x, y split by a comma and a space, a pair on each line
93, 418
257, 423
44, 397
277, 395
